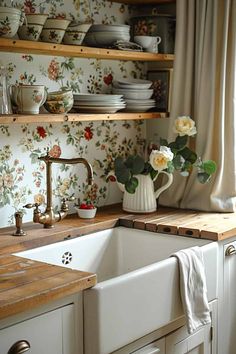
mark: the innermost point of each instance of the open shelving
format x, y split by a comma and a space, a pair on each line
76, 117
42, 48
52, 49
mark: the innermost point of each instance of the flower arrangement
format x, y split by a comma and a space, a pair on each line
171, 156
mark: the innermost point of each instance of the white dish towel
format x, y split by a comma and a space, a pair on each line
193, 288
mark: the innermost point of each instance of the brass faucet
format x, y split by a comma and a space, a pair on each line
49, 217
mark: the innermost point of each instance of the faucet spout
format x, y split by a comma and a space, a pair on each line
49, 218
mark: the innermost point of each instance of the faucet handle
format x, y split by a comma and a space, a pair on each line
64, 205
35, 205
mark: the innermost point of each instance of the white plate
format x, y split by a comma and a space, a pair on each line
128, 83
96, 97
90, 109
140, 102
105, 38
135, 94
109, 28
98, 104
138, 108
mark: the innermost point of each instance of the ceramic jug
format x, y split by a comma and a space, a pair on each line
28, 98
145, 196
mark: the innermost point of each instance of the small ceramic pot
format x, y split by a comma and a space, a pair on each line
56, 23
59, 106
30, 32
52, 35
77, 26
65, 94
28, 98
74, 37
10, 20
36, 19
86, 213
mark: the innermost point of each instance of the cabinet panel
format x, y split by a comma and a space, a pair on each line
181, 343
50, 333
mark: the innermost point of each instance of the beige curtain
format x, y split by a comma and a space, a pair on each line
204, 88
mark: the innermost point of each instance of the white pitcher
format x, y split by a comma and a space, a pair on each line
144, 198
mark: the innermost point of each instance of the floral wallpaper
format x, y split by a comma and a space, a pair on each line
22, 175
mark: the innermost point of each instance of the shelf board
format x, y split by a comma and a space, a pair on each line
41, 48
76, 117
146, 2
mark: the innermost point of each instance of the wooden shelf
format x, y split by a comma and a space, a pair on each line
40, 48
146, 2
77, 117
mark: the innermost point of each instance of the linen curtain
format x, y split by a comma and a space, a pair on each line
204, 88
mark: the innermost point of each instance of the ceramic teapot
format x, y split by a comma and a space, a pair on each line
145, 196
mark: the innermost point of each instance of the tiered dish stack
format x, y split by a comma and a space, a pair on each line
98, 103
137, 94
107, 35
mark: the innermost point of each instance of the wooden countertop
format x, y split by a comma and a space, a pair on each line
27, 284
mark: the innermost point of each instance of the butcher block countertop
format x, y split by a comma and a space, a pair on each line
28, 284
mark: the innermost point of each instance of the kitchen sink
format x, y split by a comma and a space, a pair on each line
138, 282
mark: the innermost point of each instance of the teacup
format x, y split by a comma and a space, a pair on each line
149, 43
28, 98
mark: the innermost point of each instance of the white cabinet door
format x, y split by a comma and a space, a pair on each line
157, 347
227, 312
197, 343
49, 333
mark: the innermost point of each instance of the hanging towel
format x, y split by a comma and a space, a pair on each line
193, 288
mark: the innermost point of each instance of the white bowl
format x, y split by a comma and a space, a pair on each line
56, 23
110, 28
10, 20
134, 94
38, 19
30, 32
77, 26
74, 37
86, 213
52, 35
101, 39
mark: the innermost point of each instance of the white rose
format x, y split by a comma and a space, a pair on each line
159, 158
185, 126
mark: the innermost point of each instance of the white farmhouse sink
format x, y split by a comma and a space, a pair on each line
138, 283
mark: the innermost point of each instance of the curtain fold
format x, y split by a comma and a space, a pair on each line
204, 88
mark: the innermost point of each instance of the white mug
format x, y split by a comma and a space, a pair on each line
149, 43
28, 98
153, 48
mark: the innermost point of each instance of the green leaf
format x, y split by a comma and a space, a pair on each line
135, 164
163, 142
188, 155
209, 167
178, 162
203, 177
153, 174
179, 143
170, 167
119, 163
131, 185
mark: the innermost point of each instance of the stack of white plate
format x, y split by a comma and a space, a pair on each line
137, 94
98, 103
107, 35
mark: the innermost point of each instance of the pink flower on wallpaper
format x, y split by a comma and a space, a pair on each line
29, 7
53, 70
55, 151
108, 79
41, 132
88, 134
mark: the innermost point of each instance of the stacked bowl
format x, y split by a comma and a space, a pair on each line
98, 103
54, 30
76, 32
10, 20
33, 27
137, 94
106, 35
59, 101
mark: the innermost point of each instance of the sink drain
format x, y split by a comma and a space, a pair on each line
66, 258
